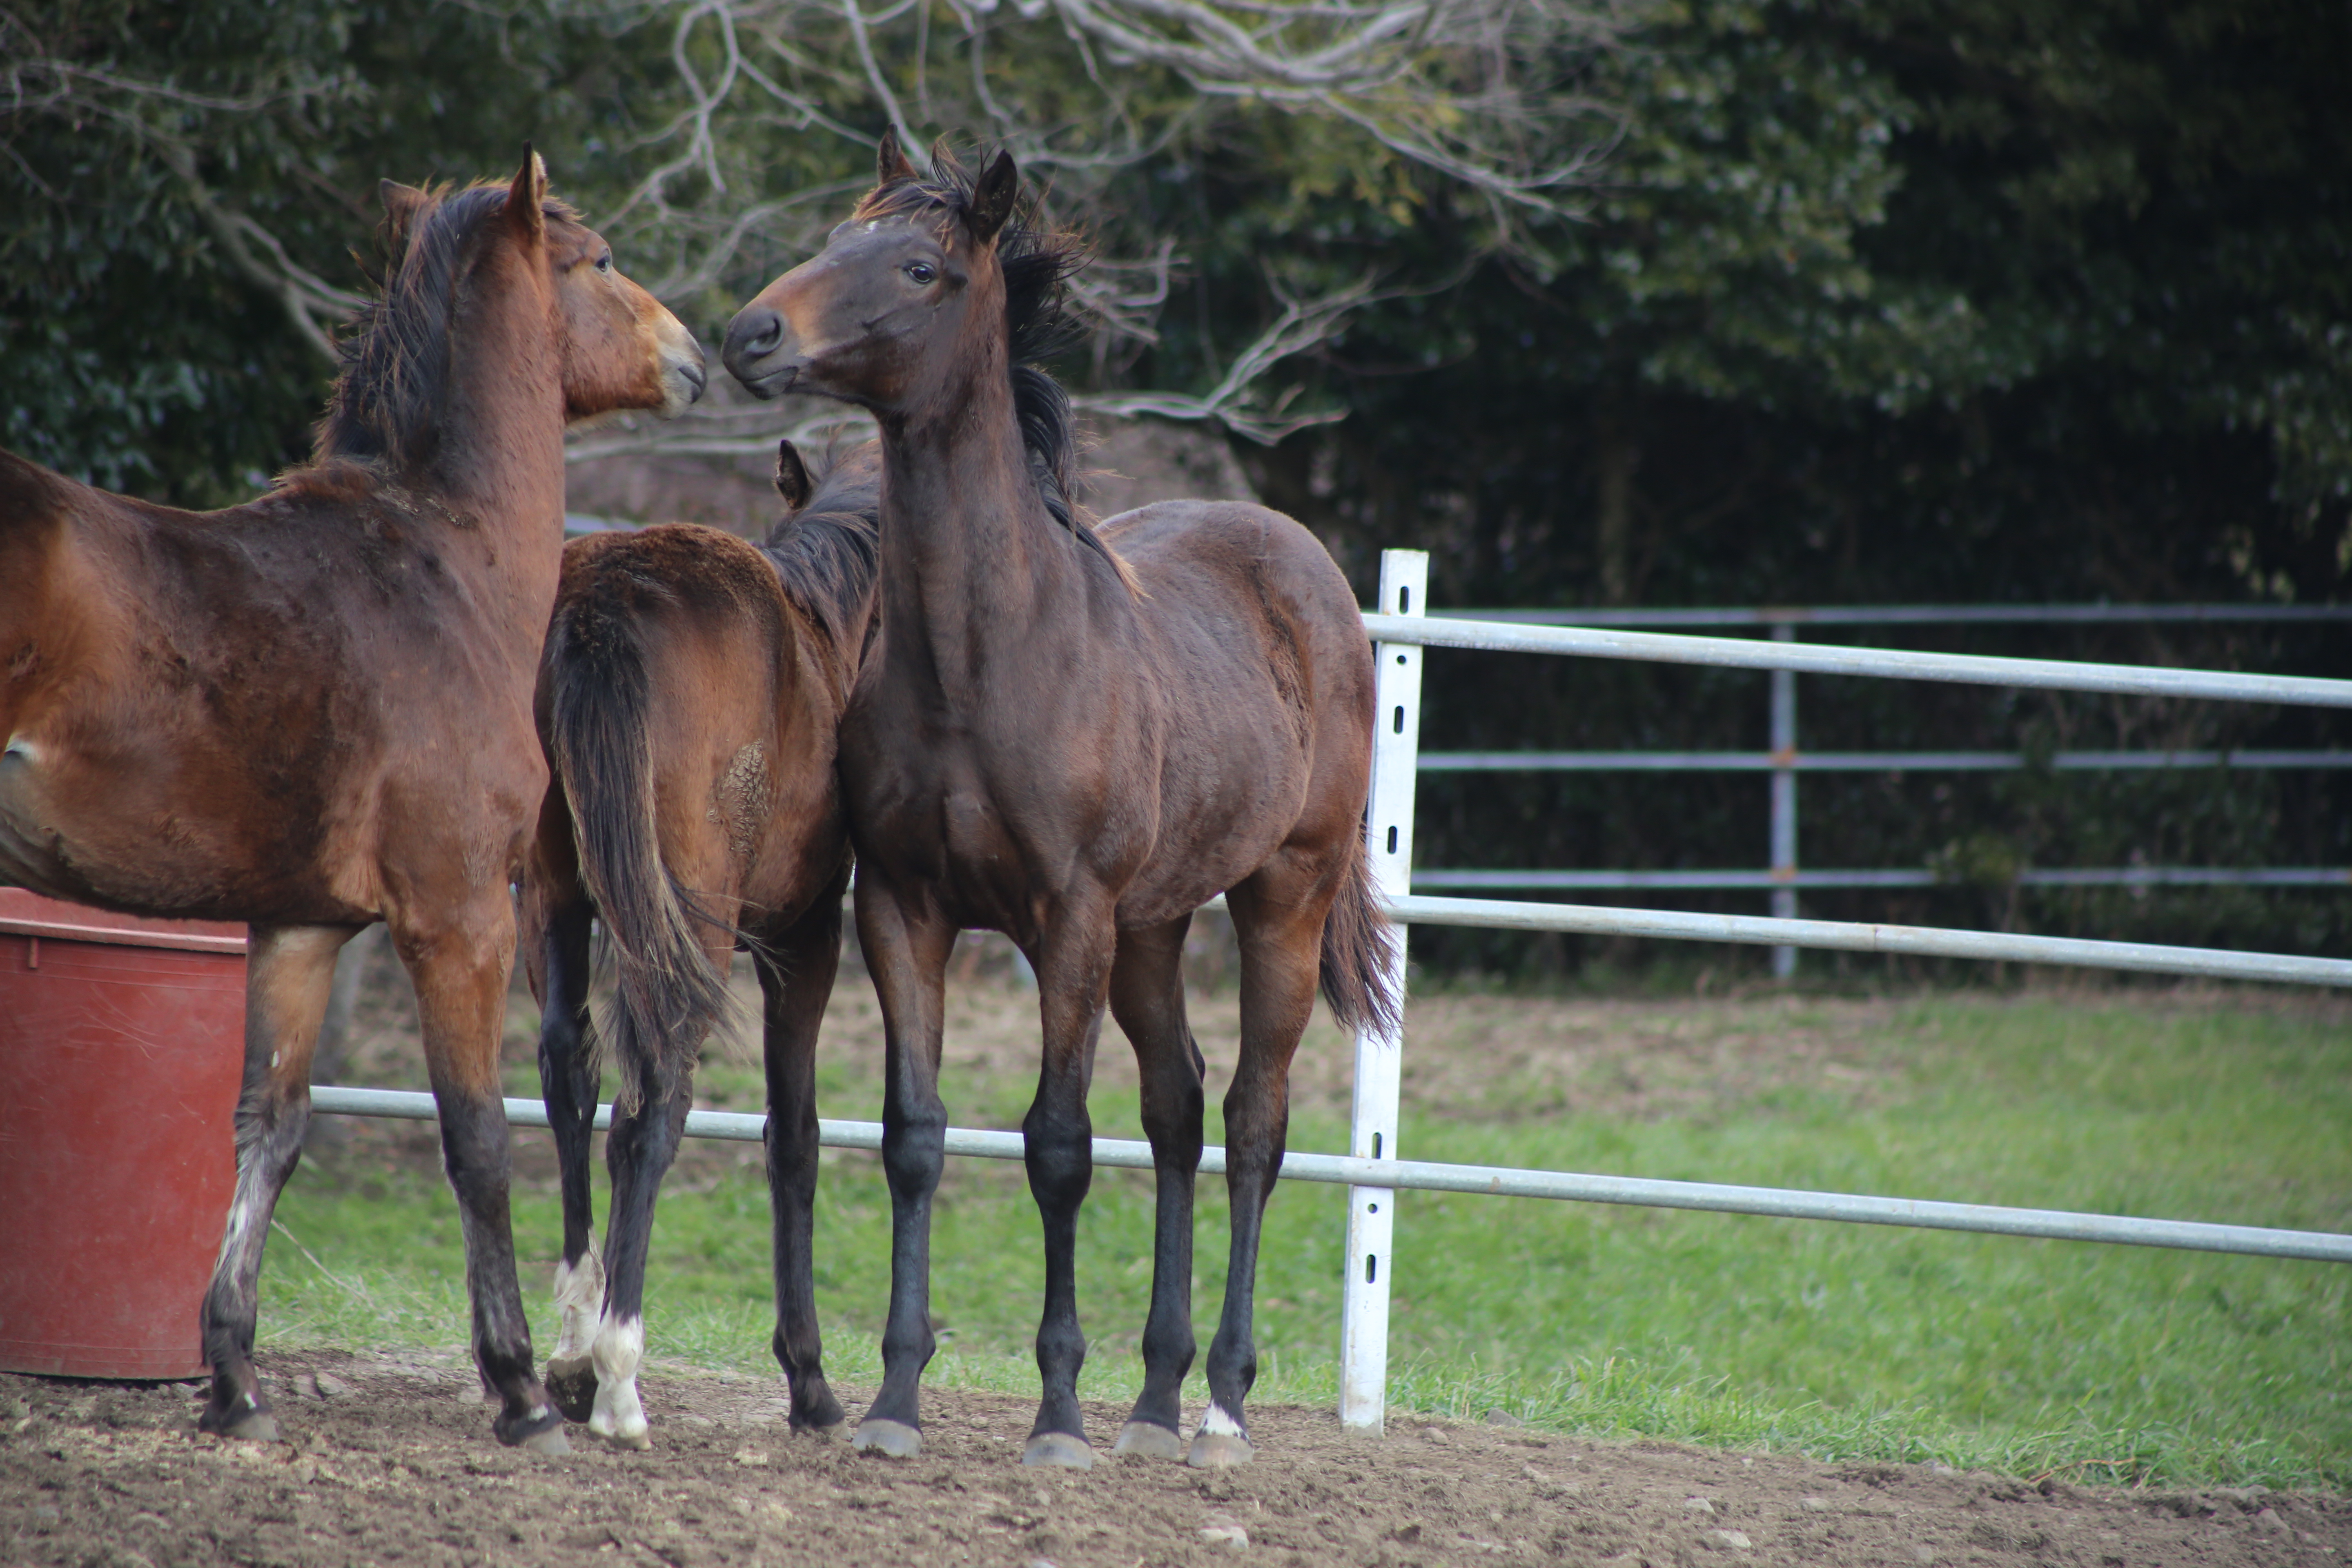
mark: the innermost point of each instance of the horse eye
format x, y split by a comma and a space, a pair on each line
921, 271
605, 262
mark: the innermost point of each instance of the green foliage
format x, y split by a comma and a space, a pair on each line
1899, 301
135, 351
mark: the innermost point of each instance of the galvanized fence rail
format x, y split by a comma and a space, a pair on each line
1372, 1169
1784, 877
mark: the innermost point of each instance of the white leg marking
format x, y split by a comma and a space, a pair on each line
242, 1209
619, 1345
579, 1298
1217, 1424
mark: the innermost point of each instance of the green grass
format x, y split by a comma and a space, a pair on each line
1837, 1341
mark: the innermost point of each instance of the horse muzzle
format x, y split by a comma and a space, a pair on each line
755, 352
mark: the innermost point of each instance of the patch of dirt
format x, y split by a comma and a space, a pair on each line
393, 1462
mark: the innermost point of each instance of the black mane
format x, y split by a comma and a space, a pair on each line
828, 553
1036, 262
386, 405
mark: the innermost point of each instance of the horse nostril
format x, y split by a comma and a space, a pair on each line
696, 376
751, 337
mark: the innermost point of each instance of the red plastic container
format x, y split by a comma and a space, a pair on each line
122, 1045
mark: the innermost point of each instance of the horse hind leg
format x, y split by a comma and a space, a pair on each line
1281, 944
638, 1152
460, 970
569, 1081
1147, 997
289, 969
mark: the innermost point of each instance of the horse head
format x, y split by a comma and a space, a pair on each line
906, 293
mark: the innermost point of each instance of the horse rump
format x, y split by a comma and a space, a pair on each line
598, 710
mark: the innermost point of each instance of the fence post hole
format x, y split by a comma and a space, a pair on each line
1784, 801
1380, 1060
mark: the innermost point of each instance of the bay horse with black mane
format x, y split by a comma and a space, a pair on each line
313, 711
1077, 737
687, 699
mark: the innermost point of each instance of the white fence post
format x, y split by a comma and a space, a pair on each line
1380, 1060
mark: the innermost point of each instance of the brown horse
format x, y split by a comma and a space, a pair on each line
313, 711
689, 698
1078, 751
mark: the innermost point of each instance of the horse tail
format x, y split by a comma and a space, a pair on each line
599, 736
1359, 951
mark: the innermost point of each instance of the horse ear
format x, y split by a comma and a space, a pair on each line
401, 205
991, 197
792, 476
527, 197
890, 165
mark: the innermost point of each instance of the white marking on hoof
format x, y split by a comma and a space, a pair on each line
579, 1297
1215, 1423
618, 1417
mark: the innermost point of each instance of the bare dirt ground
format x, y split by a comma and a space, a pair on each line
391, 1462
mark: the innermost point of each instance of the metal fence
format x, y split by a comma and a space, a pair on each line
1784, 877
1372, 1170
1401, 630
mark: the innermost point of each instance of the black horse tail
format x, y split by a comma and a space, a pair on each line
599, 738
1358, 952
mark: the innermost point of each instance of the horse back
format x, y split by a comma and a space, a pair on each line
1255, 642
677, 675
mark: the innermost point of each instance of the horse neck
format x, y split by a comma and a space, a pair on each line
499, 461
970, 559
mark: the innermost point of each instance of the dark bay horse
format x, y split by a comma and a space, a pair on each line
689, 698
313, 711
1077, 748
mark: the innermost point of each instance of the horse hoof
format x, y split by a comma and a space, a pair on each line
253, 1426
1148, 1440
1058, 1448
892, 1439
636, 1442
823, 1432
551, 1444
571, 1384
1218, 1451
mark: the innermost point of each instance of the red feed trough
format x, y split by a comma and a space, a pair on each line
123, 1041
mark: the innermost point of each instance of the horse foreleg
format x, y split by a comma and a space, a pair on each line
289, 969
569, 1081
1074, 965
1281, 949
460, 971
796, 981
1147, 997
907, 952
